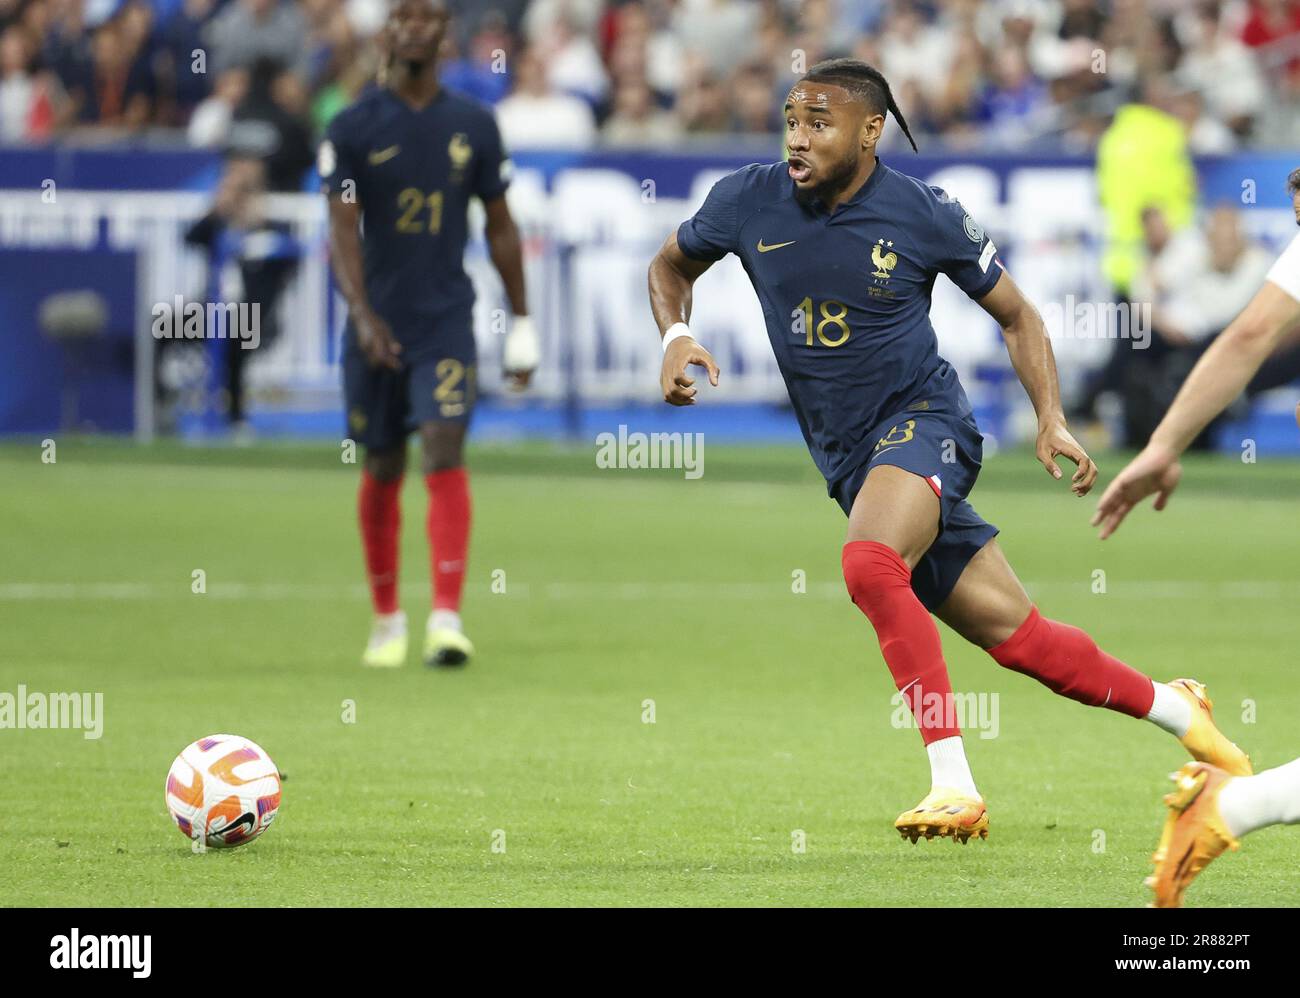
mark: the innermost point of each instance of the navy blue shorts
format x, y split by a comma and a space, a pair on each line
946, 451
434, 384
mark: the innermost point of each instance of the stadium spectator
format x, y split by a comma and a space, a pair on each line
720, 33
483, 71
572, 64
1014, 107
330, 44
540, 16
535, 116
183, 61
19, 90
637, 121
753, 109
954, 106
119, 89
1017, 72
66, 52
1206, 135
1081, 19
1201, 280
246, 31
1195, 283
271, 124
914, 52
1222, 70
209, 125
1270, 22
34, 16
703, 104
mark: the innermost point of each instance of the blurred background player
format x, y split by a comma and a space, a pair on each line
250, 259
843, 253
404, 161
1210, 810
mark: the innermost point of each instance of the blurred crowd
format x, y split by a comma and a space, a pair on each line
1190, 284
993, 74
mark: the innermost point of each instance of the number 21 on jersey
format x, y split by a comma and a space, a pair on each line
412, 201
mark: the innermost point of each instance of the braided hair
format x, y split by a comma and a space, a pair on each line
864, 82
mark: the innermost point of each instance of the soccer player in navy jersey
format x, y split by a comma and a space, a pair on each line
400, 166
843, 252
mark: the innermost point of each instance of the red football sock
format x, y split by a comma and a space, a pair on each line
1067, 661
448, 529
380, 516
880, 583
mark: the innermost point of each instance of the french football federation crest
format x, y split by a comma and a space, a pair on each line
884, 259
460, 151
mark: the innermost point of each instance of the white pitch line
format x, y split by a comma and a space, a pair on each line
19, 592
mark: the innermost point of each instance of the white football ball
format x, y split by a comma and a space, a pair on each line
223, 790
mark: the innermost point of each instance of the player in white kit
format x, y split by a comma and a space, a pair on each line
1210, 810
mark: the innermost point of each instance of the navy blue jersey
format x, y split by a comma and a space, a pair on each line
846, 296
413, 173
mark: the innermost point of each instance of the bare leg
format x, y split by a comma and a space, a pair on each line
442, 446
898, 509
988, 604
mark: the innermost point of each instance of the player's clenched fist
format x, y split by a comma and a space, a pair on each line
376, 339
680, 354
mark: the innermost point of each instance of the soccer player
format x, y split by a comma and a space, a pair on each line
403, 161
843, 252
1210, 810
1218, 378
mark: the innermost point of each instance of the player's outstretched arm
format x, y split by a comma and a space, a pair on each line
672, 280
1219, 376
1035, 365
373, 334
522, 347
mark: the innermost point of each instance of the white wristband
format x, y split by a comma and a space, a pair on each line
676, 330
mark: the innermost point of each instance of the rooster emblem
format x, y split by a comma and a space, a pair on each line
460, 151
884, 261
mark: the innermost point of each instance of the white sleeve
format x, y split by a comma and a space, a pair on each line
1285, 272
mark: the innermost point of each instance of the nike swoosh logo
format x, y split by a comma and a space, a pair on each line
768, 249
384, 155
890, 447
247, 818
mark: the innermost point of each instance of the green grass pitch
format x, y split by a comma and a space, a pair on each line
772, 711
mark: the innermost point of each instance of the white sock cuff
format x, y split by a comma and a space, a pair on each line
1272, 797
948, 765
1170, 710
